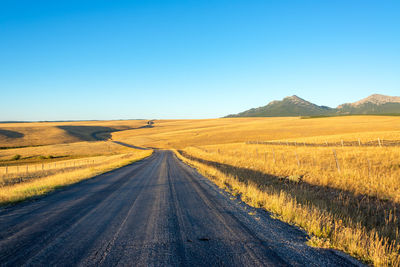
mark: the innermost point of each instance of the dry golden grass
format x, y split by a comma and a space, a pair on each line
45, 133
365, 228
42, 185
372, 171
20, 173
183, 133
69, 150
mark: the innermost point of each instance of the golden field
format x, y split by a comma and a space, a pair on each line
54, 154
184, 133
338, 178
46, 133
58, 152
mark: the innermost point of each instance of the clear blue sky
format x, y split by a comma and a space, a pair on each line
191, 59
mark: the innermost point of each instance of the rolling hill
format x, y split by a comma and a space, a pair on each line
49, 133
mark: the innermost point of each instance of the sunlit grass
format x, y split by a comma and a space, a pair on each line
63, 177
183, 133
328, 226
46, 133
78, 149
372, 171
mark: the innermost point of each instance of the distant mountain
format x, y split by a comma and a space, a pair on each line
296, 106
374, 104
289, 106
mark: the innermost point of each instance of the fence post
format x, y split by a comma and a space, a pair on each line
369, 168
359, 142
6, 169
297, 157
273, 153
336, 159
379, 142
342, 143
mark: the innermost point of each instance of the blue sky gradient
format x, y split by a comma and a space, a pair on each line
63, 60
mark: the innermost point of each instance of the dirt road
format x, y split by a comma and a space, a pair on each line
154, 212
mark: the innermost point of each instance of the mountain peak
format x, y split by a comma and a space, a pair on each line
296, 106
377, 99
297, 100
294, 97
289, 106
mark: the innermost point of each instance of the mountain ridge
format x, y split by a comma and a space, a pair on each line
289, 106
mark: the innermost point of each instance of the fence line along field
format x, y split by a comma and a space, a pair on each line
57, 152
379, 142
19, 173
22, 187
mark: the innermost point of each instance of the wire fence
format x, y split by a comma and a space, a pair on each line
372, 143
19, 173
15, 169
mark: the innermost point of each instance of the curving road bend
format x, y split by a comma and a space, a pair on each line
156, 212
